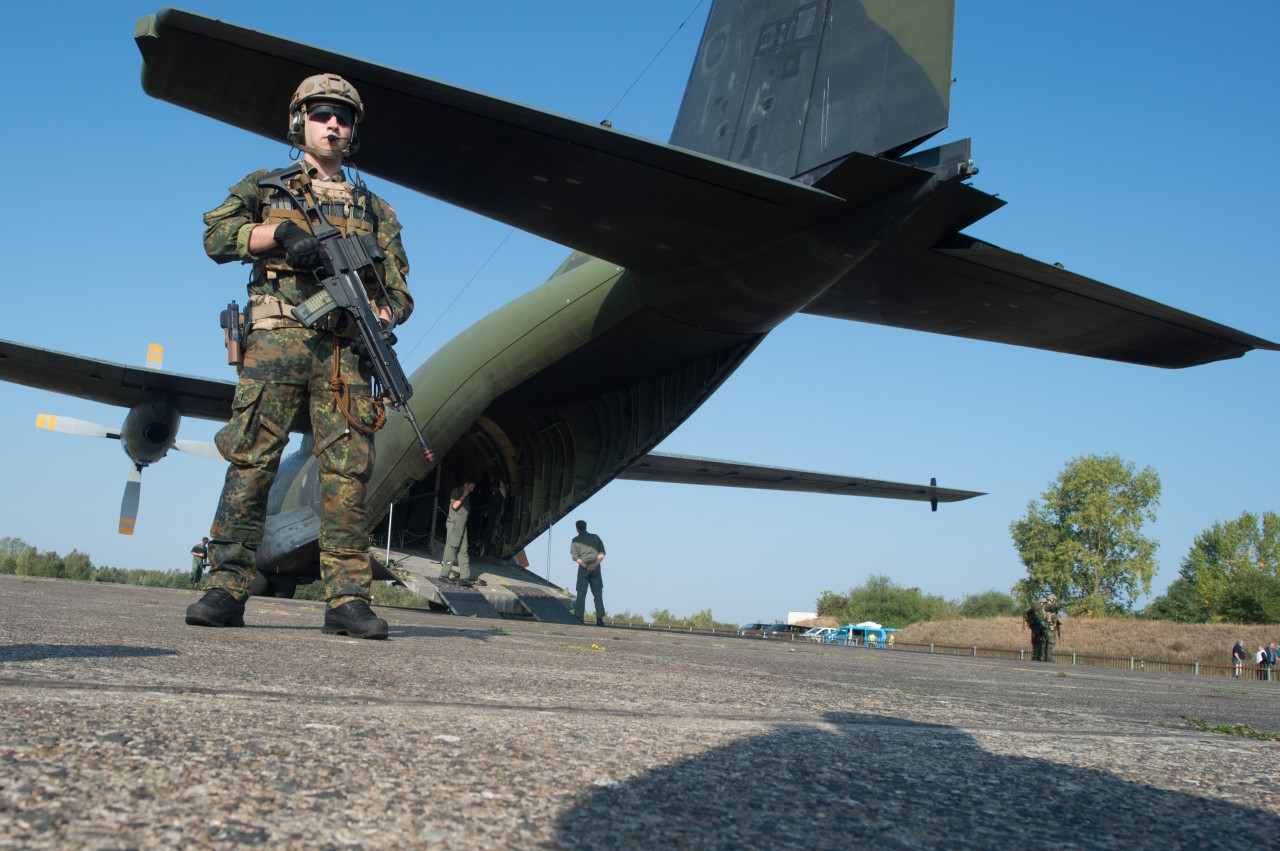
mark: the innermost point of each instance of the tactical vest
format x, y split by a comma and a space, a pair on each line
347, 207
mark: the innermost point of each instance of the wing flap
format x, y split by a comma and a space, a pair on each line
689, 470
969, 288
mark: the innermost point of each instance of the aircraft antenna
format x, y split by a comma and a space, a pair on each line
465, 286
646, 68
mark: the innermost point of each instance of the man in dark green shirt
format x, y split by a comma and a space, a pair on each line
199, 559
456, 563
587, 551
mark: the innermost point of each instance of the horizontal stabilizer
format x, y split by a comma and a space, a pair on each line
968, 288
684, 469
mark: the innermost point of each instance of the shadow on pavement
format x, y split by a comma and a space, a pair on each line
34, 652
894, 784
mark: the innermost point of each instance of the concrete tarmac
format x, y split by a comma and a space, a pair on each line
121, 727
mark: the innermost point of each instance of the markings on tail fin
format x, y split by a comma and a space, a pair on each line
155, 356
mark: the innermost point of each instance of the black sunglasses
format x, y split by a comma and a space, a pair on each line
325, 111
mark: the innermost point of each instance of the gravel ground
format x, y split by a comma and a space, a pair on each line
121, 727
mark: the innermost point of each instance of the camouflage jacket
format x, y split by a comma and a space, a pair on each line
226, 239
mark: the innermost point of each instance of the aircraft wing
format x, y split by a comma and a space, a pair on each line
969, 288
688, 470
638, 203
113, 383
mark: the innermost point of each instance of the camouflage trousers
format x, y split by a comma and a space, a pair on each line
286, 380
456, 549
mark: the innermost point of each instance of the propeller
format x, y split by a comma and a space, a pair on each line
69, 425
129, 503
148, 433
203, 448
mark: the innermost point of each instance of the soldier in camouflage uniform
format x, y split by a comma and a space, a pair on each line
296, 378
1047, 628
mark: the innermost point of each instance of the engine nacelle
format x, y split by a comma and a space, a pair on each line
149, 430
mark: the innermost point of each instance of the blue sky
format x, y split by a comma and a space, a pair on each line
1130, 140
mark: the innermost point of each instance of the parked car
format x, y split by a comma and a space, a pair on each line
789, 631
818, 632
867, 633
752, 628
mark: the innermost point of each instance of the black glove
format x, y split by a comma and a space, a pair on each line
301, 249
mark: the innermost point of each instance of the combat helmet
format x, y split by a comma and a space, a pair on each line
328, 87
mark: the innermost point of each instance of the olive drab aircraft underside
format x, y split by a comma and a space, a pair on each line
686, 255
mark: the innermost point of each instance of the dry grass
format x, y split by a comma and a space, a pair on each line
1151, 640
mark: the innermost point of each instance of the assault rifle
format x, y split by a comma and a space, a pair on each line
347, 262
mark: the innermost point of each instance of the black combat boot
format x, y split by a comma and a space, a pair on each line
216, 608
355, 619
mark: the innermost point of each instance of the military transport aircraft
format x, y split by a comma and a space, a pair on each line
791, 183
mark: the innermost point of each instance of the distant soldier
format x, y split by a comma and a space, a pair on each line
456, 563
199, 561
587, 551
1050, 625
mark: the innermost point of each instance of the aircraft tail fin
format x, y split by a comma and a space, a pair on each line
791, 87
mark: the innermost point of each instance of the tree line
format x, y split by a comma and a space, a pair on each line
1083, 541
20, 558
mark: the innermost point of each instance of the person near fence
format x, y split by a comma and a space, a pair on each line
1046, 627
1032, 620
1237, 656
1260, 660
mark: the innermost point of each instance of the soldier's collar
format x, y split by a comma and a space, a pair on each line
314, 172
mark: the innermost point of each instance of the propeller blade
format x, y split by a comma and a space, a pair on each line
129, 504
68, 425
198, 447
155, 356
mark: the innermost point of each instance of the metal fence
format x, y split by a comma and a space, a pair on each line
1122, 663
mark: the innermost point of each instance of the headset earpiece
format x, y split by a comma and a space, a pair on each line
295, 125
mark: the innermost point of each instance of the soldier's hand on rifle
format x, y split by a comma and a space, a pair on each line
387, 319
301, 249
